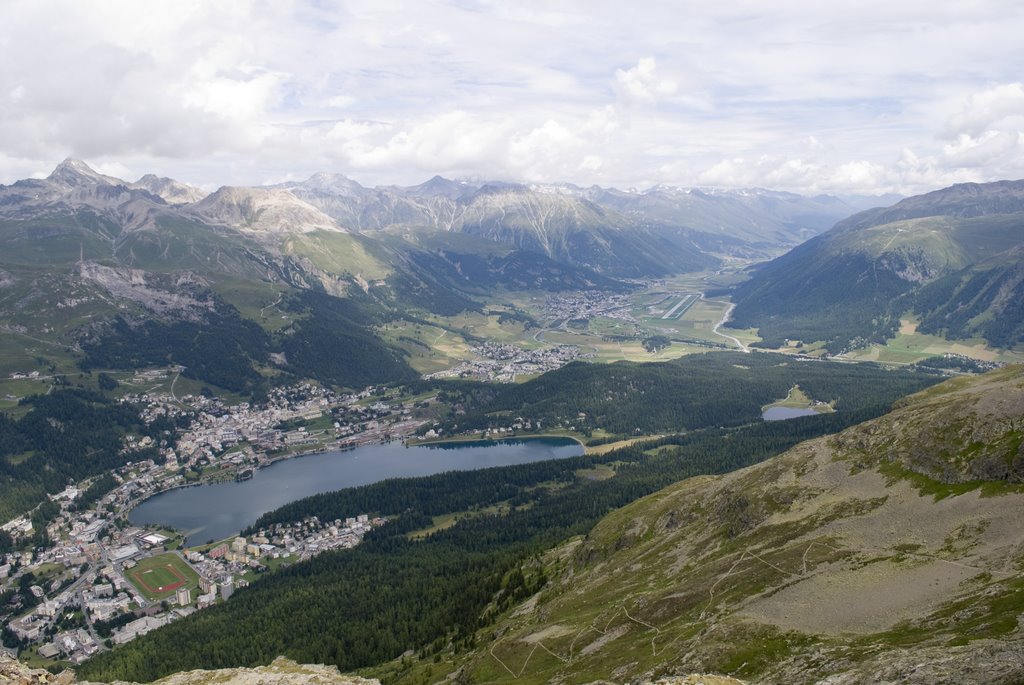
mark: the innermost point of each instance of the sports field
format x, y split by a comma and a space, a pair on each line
160, 576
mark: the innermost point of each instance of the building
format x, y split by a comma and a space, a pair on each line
122, 553
238, 545
49, 651
138, 627
153, 539
183, 596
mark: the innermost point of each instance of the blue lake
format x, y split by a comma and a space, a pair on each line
782, 413
219, 510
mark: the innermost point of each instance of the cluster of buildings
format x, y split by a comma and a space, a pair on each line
502, 363
588, 305
95, 581
220, 567
72, 645
84, 577
243, 435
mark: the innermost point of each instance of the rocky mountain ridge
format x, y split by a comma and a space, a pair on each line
657, 232
281, 672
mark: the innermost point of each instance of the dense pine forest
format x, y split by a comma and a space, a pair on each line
330, 339
695, 391
66, 435
397, 592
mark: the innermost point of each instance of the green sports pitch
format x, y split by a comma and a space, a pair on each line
160, 576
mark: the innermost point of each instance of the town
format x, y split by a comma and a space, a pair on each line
584, 305
503, 363
100, 581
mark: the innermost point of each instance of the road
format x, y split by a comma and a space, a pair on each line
725, 317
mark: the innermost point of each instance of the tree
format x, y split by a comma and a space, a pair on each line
656, 343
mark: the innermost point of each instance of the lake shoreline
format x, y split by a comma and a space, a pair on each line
217, 510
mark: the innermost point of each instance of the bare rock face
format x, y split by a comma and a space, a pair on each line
262, 211
173, 192
14, 672
281, 672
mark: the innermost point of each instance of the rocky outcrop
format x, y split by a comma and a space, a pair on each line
697, 679
261, 211
281, 672
16, 673
180, 295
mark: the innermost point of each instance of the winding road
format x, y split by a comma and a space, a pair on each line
725, 317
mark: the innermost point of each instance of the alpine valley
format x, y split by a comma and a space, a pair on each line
156, 336
951, 259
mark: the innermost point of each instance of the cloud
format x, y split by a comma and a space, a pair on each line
996, 107
642, 83
854, 95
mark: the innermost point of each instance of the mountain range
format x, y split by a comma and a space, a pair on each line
89, 260
887, 552
951, 257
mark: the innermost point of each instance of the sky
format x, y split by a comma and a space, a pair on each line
812, 97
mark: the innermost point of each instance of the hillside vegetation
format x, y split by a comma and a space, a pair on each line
695, 391
886, 553
433, 594
952, 256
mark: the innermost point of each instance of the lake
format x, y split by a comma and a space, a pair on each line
218, 510
782, 413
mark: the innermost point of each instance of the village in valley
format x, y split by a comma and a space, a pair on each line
96, 580
102, 581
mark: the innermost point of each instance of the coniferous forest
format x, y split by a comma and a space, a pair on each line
394, 593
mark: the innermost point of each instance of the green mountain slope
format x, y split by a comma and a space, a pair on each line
366, 606
692, 392
887, 553
96, 273
851, 284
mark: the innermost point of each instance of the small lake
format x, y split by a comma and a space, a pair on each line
219, 510
782, 413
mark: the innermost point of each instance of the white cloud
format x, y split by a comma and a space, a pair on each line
642, 83
341, 101
802, 96
996, 107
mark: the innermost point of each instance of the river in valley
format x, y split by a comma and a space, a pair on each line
218, 510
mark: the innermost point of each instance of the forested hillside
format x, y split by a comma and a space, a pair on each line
952, 256
66, 435
695, 391
427, 593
